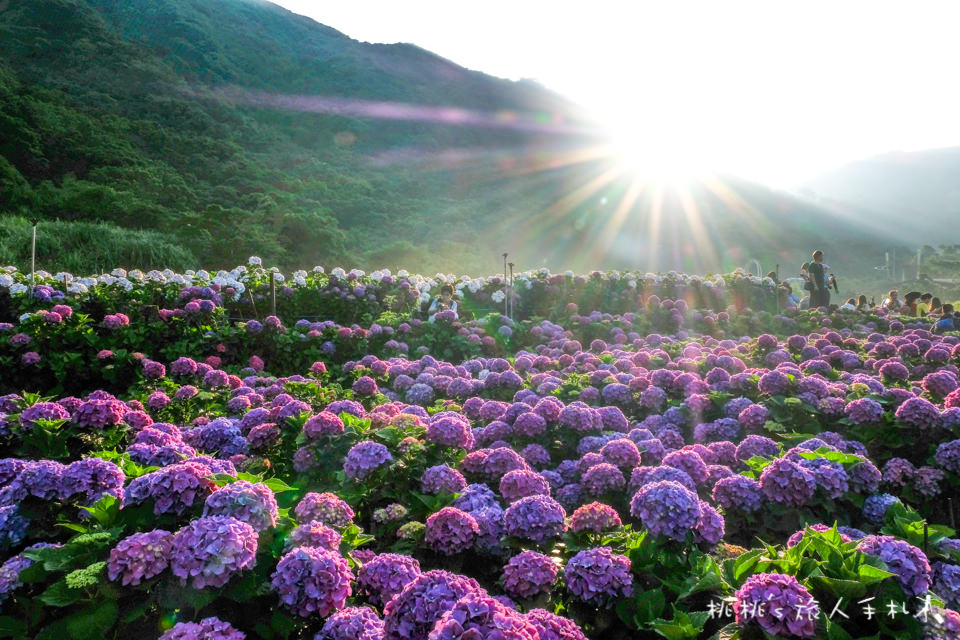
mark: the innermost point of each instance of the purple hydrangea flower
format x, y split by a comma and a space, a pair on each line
898, 472
209, 551
538, 518
666, 508
598, 576
829, 476
100, 413
787, 483
710, 528
364, 458
778, 603
918, 413
739, 493
948, 456
553, 627
413, 613
521, 483
602, 478
140, 557
875, 507
352, 623
909, 563
207, 629
529, 573
314, 534
451, 430
864, 411
451, 531
311, 580
252, 503
323, 424
442, 478
42, 411
386, 575
689, 462
173, 489
325, 508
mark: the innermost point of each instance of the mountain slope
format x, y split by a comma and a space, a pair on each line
234, 127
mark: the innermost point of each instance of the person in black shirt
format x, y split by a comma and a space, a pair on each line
820, 295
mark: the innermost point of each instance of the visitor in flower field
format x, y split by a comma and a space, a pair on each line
892, 301
805, 274
444, 302
948, 322
862, 304
849, 305
936, 307
910, 303
923, 307
789, 297
819, 295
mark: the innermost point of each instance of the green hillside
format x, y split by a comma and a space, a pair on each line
234, 127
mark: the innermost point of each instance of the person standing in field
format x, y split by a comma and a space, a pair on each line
820, 295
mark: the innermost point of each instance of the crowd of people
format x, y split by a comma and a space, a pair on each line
818, 280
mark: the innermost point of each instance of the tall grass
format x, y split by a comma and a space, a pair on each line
89, 247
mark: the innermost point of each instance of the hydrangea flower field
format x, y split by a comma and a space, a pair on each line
209, 455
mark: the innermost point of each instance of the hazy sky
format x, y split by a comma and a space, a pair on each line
774, 90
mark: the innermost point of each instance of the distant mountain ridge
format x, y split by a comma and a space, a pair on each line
207, 121
917, 193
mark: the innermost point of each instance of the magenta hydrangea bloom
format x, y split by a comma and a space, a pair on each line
787, 483
778, 603
209, 551
385, 575
413, 613
602, 478
207, 629
364, 458
140, 557
352, 623
450, 430
529, 573
598, 576
595, 517
310, 580
324, 423
325, 508
521, 483
451, 531
314, 534
100, 413
252, 503
476, 615
537, 518
553, 627
909, 563
667, 508
688, 461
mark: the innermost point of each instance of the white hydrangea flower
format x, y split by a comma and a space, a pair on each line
318, 269
6, 280
77, 287
568, 273
498, 296
339, 273
424, 297
119, 273
44, 274
279, 277
25, 317
17, 289
359, 273
254, 261
203, 274
403, 273
300, 281
107, 280
474, 286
